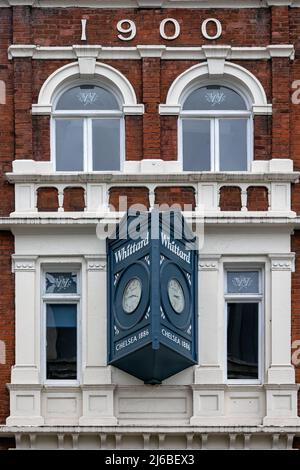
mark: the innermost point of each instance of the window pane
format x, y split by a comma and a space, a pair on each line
61, 341
196, 144
69, 144
233, 144
61, 283
242, 341
243, 282
87, 97
214, 98
106, 144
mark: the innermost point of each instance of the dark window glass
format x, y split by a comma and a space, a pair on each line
69, 144
233, 144
242, 341
88, 98
61, 341
214, 98
106, 144
196, 145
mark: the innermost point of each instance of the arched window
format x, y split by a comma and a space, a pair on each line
216, 130
87, 125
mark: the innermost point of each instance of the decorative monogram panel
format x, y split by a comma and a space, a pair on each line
61, 283
87, 97
243, 282
215, 97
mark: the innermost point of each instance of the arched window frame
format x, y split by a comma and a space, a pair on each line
87, 70
214, 116
87, 116
217, 70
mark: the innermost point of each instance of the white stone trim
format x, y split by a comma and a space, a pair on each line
281, 50
37, 172
140, 51
264, 109
133, 109
208, 262
117, 4
104, 394
282, 262
169, 109
281, 404
23, 263
216, 56
242, 77
41, 110
95, 263
193, 437
150, 51
73, 71
235, 219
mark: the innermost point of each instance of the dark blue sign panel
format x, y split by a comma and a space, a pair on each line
152, 292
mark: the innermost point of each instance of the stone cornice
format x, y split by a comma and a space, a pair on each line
124, 178
138, 52
229, 220
140, 428
180, 4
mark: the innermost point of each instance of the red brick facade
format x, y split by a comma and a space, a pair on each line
151, 136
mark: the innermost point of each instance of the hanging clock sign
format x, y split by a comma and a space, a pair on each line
152, 292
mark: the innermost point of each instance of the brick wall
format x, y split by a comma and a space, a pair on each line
6, 113
149, 136
60, 26
128, 195
47, 199
230, 198
177, 196
74, 199
257, 198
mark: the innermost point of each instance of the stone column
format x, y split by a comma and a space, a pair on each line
281, 390
25, 388
27, 339
210, 321
208, 388
97, 388
281, 369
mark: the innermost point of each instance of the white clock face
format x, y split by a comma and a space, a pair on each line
176, 295
132, 295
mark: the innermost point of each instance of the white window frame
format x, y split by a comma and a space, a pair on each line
246, 298
87, 116
214, 117
60, 299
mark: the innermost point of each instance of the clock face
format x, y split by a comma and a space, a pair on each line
132, 295
176, 295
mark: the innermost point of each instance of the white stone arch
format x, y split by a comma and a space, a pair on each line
223, 72
86, 68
